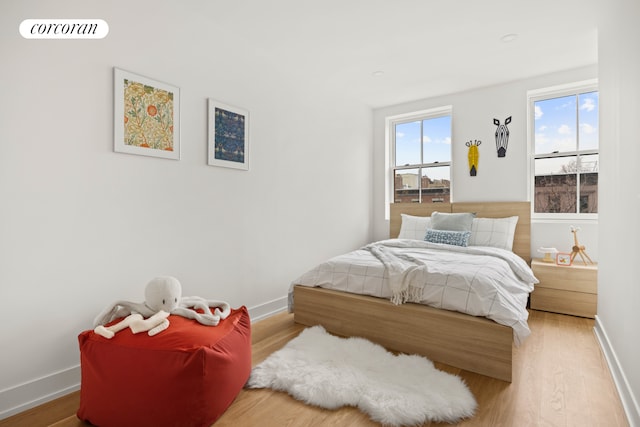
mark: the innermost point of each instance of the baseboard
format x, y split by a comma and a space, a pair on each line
268, 309
629, 401
42, 390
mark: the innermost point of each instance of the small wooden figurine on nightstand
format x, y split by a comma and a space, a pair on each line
577, 248
548, 254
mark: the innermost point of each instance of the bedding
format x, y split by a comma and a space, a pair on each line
496, 232
458, 238
452, 221
477, 280
414, 227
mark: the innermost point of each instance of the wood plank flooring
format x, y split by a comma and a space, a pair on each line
560, 378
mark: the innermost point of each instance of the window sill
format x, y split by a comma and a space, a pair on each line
564, 219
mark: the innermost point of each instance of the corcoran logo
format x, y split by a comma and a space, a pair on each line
64, 29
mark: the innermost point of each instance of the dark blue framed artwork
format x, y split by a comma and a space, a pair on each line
228, 136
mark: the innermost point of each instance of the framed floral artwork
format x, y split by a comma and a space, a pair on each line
228, 137
146, 116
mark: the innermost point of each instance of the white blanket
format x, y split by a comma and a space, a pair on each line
476, 280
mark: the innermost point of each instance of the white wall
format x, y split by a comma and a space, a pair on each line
498, 179
619, 202
82, 226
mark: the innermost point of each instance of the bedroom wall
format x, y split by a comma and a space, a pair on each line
82, 226
498, 179
618, 288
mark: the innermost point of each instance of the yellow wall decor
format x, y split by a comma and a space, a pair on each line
474, 156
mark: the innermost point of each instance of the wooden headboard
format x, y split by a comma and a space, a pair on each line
522, 238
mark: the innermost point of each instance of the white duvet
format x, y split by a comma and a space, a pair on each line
476, 280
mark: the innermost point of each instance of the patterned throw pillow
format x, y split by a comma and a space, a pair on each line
458, 238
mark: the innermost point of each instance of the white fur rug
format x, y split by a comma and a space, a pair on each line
323, 370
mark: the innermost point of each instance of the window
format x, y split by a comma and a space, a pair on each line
564, 126
420, 156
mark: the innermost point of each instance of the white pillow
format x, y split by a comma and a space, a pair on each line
495, 232
414, 227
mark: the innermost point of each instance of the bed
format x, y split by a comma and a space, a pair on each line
469, 342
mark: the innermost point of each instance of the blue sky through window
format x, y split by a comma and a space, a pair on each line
436, 140
556, 123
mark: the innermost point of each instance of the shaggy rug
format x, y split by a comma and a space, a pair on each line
396, 390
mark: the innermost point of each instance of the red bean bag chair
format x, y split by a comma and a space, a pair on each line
187, 375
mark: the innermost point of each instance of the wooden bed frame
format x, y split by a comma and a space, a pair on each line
471, 343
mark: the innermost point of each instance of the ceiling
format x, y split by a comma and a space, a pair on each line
385, 52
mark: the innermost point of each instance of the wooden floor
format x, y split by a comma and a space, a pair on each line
560, 378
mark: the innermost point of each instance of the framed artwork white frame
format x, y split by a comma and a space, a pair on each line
228, 136
146, 116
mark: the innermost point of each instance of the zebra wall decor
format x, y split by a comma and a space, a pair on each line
474, 156
502, 136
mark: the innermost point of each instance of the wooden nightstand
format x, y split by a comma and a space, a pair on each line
565, 289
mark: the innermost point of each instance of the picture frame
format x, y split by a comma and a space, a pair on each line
563, 259
228, 136
146, 116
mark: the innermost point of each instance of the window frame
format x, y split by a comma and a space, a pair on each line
542, 94
390, 125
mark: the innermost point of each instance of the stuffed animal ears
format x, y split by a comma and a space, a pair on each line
163, 293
